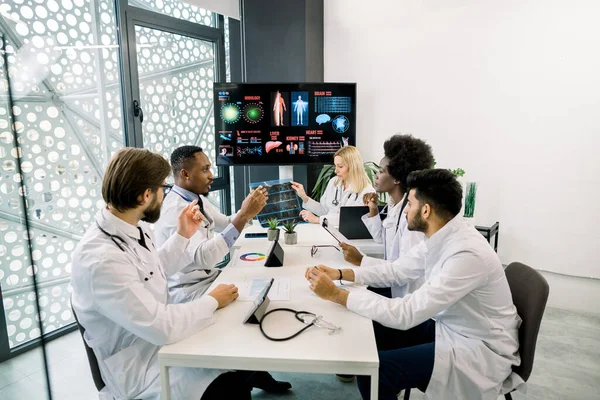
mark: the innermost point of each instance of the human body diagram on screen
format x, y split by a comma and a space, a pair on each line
299, 107
278, 109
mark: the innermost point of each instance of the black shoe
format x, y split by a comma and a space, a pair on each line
346, 378
264, 380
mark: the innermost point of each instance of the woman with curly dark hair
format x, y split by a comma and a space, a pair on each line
403, 155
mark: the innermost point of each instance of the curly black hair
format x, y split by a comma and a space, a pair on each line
181, 155
406, 154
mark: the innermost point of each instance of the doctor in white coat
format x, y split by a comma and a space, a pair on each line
456, 337
119, 288
347, 188
193, 179
403, 155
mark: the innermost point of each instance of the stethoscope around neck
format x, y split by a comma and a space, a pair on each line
335, 200
122, 246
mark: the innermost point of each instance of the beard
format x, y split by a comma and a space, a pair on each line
417, 223
152, 213
206, 190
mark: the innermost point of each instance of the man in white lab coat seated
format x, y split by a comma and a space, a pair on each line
403, 155
456, 337
193, 179
119, 288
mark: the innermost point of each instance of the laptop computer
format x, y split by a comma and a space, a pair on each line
351, 226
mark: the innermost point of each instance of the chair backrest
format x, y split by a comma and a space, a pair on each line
530, 293
92, 360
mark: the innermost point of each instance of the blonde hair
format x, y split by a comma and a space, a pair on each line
357, 177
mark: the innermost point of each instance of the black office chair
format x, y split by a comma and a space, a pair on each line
530, 293
92, 360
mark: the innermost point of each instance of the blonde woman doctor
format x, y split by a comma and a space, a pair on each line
347, 188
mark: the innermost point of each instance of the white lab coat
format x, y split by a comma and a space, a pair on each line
466, 292
196, 277
397, 240
326, 209
127, 318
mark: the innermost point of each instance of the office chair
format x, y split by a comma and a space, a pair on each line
92, 360
529, 292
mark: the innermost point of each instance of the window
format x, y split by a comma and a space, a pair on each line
64, 64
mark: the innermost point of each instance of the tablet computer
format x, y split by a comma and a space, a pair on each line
351, 224
325, 226
259, 307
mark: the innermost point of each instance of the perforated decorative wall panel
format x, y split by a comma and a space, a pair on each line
63, 63
178, 9
176, 76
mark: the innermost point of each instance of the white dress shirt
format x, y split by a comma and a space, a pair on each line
467, 294
120, 298
335, 193
397, 239
207, 249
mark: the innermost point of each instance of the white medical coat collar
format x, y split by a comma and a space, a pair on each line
391, 204
441, 236
113, 224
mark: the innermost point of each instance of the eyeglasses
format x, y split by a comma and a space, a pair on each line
315, 248
166, 188
317, 320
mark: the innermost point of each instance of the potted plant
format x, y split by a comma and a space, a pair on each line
272, 232
471, 193
290, 236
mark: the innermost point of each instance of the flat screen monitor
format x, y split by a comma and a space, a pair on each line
283, 124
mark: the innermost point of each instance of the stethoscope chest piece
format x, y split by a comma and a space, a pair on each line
335, 201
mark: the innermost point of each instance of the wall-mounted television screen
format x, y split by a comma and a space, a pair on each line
283, 123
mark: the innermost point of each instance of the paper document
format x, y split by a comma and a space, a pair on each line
280, 291
243, 258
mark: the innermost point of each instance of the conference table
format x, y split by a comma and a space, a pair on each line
314, 234
229, 344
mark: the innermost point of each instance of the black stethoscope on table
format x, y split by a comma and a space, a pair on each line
308, 318
335, 200
147, 276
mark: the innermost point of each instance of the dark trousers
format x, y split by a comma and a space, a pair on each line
405, 360
230, 385
385, 291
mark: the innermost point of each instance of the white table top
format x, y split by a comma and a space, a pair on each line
309, 235
230, 344
293, 256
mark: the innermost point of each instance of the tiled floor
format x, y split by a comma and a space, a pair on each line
23, 377
567, 366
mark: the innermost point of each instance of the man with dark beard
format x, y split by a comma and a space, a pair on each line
120, 288
455, 337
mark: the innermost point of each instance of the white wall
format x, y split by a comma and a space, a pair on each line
507, 90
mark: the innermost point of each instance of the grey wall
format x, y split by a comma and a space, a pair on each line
282, 41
